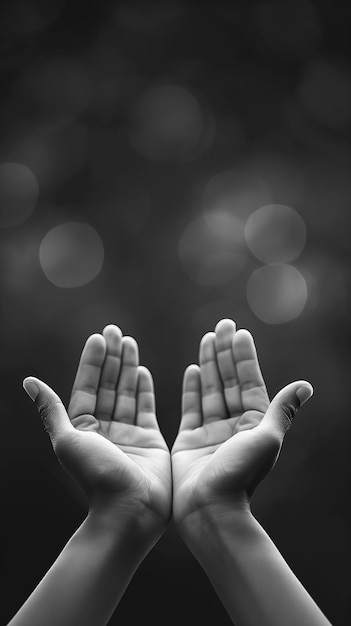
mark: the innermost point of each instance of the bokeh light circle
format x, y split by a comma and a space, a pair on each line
235, 191
19, 191
167, 123
277, 293
275, 233
71, 254
226, 225
208, 258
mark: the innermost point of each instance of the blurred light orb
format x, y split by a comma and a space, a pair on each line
237, 192
277, 293
167, 123
227, 225
275, 233
206, 257
19, 192
71, 254
325, 92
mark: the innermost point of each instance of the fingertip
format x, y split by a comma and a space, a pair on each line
243, 341
96, 340
191, 399
209, 336
31, 379
145, 378
41, 393
130, 342
193, 367
31, 387
207, 347
113, 337
130, 351
304, 392
146, 402
225, 324
243, 333
111, 329
286, 403
191, 372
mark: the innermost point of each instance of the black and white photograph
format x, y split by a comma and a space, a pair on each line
175, 217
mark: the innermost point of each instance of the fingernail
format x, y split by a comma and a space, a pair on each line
31, 388
303, 393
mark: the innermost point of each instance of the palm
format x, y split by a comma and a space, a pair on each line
116, 447
216, 451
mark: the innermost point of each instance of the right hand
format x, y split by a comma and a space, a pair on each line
230, 435
109, 440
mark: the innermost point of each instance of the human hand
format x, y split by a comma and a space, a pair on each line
230, 435
109, 440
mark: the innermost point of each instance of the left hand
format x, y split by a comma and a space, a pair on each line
109, 440
230, 435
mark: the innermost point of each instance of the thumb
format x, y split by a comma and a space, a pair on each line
50, 407
285, 404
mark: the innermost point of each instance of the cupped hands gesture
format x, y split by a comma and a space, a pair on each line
109, 440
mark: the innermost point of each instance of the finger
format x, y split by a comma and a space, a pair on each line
106, 397
146, 409
52, 412
127, 385
85, 387
285, 405
253, 390
225, 331
191, 399
213, 404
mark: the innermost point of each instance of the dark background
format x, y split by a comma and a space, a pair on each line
139, 119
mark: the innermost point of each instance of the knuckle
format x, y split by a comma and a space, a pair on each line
288, 411
45, 412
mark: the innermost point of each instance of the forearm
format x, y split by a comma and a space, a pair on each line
88, 579
249, 574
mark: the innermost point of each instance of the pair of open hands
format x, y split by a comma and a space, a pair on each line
110, 442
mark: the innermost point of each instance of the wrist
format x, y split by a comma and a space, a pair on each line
207, 525
132, 522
